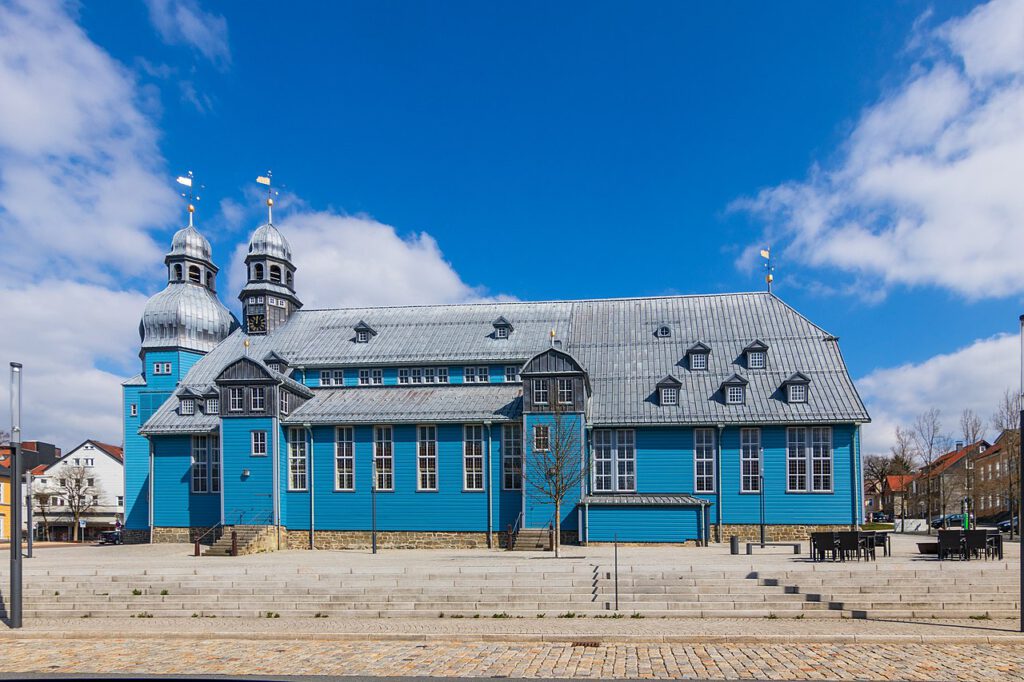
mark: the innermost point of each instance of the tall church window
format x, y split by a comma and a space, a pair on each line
473, 457
512, 457
258, 271
426, 458
289, 279
383, 458
296, 459
177, 272
704, 460
275, 273
205, 464
614, 461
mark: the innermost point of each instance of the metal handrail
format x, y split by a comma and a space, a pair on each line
216, 526
513, 530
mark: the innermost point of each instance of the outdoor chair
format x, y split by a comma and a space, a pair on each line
869, 541
951, 543
822, 544
977, 544
850, 544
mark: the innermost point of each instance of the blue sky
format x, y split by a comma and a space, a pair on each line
657, 144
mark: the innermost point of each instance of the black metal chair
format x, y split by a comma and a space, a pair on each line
850, 544
951, 543
869, 541
822, 544
977, 544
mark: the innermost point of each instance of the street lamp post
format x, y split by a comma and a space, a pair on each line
1020, 468
15, 600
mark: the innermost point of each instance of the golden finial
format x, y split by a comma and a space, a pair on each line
188, 180
265, 180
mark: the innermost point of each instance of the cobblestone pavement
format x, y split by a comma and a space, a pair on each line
490, 659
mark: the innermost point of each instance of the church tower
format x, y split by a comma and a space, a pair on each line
268, 297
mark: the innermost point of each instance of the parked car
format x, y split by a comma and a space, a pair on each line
110, 537
880, 517
951, 521
1004, 526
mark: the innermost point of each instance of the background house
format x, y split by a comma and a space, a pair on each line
85, 484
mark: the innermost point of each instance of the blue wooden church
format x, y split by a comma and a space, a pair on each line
662, 419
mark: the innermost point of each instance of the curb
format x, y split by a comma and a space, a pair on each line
515, 638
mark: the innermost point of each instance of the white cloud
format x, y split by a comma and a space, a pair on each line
184, 22
347, 261
973, 377
926, 190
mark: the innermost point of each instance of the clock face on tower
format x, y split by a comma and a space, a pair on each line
256, 324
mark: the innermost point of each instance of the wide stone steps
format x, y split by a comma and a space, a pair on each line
532, 540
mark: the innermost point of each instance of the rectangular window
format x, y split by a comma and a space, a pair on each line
416, 375
512, 457
274, 366
442, 375
750, 460
212, 405
473, 457
565, 392
297, 464
188, 406
120, 500
282, 401
344, 459
134, 410
511, 373
734, 395
364, 377
325, 377
821, 459
501, 332
704, 460
257, 398
669, 396
259, 443
200, 464
540, 391
362, 336
426, 458
214, 463
158, 368
430, 375
698, 361
482, 375
614, 461
403, 375
338, 377
798, 393
377, 377
541, 438
796, 459
469, 375
383, 458
756, 359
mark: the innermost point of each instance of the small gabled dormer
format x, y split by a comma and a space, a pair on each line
663, 331
187, 406
364, 332
797, 388
211, 401
697, 356
734, 390
276, 362
668, 391
756, 355
502, 328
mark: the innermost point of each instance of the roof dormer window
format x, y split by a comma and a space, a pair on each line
502, 328
697, 356
188, 406
796, 388
663, 332
364, 332
668, 391
757, 355
734, 390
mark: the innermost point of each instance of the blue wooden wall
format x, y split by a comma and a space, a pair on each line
173, 502
247, 498
643, 524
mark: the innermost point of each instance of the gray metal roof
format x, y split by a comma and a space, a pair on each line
189, 242
137, 380
166, 421
420, 404
185, 315
659, 499
267, 240
612, 339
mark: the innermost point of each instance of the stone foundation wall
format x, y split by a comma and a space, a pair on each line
171, 534
358, 539
135, 536
774, 532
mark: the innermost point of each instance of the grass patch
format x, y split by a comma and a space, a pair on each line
164, 593
136, 592
637, 614
503, 614
983, 616
568, 614
877, 526
272, 614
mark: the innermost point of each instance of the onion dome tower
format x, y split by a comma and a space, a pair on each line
268, 297
187, 315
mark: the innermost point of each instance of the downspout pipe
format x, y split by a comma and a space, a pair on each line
490, 485
275, 478
857, 478
152, 519
718, 486
312, 488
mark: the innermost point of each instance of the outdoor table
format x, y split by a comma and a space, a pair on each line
883, 539
995, 540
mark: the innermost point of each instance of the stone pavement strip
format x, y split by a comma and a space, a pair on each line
821, 661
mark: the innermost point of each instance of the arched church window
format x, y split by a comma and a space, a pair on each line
275, 273
258, 270
209, 278
194, 274
289, 279
177, 272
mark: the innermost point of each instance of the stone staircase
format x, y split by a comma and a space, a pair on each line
532, 540
947, 590
251, 539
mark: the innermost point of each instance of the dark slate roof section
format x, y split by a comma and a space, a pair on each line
419, 404
735, 380
610, 338
650, 499
756, 344
502, 322
797, 378
363, 327
670, 382
699, 347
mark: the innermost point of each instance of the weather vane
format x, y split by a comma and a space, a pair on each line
769, 270
271, 193
190, 196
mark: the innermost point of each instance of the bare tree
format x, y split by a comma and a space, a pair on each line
77, 487
42, 497
929, 443
970, 426
903, 452
554, 471
1006, 420
877, 468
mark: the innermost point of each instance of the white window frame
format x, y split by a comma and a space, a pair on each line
469, 375
797, 470
541, 438
566, 391
430, 375
384, 458
426, 458
669, 396
757, 359
236, 399
344, 459
473, 458
797, 393
377, 377
541, 391
338, 377
699, 361
257, 399
326, 377
282, 401
200, 468
403, 375
511, 374
501, 332
362, 336
442, 375
133, 410
258, 441
822, 469
483, 374
416, 375
364, 377
298, 460
213, 406
614, 461
750, 460
705, 454
512, 457
735, 394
